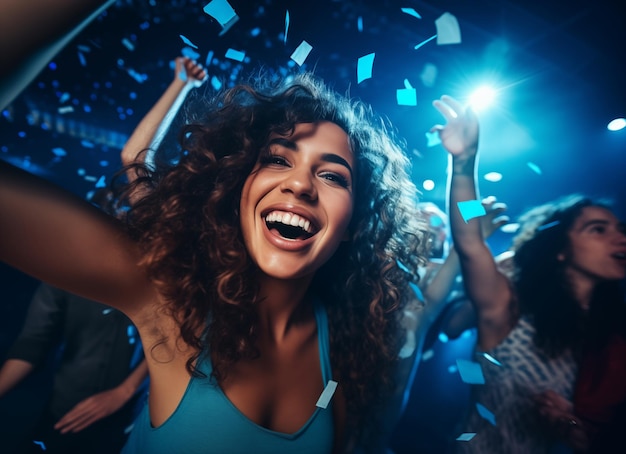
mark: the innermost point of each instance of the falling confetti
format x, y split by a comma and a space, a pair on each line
301, 53
448, 31
364, 67
188, 41
411, 12
471, 209
470, 372
486, 414
327, 394
236, 55
406, 97
467, 436
221, 11
286, 26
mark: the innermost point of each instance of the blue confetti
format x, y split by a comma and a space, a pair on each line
470, 372
471, 209
87, 144
486, 414
402, 266
467, 436
82, 60
359, 23
59, 152
364, 67
101, 182
107, 311
301, 52
327, 394
534, 167
221, 11
190, 53
141, 78
492, 359
406, 96
236, 55
64, 97
187, 41
41, 444
216, 83
126, 42
432, 139
417, 46
547, 226
286, 26
209, 58
428, 354
411, 12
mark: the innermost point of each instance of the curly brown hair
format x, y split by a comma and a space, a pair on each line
559, 320
188, 225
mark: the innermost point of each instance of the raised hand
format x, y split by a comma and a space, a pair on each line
493, 220
190, 71
460, 133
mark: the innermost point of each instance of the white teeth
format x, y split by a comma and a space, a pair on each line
292, 219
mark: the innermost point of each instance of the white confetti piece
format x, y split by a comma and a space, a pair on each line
448, 31
301, 52
327, 394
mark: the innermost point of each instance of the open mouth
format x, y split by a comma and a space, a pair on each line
290, 226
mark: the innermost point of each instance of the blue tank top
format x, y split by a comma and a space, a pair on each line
206, 421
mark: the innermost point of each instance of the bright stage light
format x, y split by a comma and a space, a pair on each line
482, 98
617, 124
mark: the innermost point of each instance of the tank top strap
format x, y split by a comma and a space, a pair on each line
323, 339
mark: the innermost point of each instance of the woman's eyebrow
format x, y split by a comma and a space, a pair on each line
327, 157
336, 159
284, 142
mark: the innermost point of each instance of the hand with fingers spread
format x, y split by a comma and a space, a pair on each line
460, 133
492, 220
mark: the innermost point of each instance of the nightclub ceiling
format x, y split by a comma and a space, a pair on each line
558, 72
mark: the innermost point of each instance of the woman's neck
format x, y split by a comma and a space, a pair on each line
282, 306
582, 288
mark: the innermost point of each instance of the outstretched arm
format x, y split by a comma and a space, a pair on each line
438, 287
151, 130
61, 239
101, 405
486, 287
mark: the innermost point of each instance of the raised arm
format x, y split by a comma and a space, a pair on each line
438, 286
63, 240
151, 130
486, 287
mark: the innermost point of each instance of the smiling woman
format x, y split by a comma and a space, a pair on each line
261, 270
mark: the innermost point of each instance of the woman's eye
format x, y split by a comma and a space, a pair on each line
335, 178
274, 160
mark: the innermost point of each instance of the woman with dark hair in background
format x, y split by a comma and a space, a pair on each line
565, 299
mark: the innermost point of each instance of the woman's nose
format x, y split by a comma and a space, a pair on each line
301, 183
